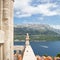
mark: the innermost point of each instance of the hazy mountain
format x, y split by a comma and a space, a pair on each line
35, 29
55, 28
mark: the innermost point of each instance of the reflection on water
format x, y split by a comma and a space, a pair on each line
44, 46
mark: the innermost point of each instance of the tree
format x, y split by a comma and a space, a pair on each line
58, 55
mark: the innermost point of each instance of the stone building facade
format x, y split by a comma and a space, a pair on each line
6, 25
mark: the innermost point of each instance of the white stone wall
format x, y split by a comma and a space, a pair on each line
1, 13
1, 36
6, 24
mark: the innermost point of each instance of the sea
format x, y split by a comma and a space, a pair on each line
50, 48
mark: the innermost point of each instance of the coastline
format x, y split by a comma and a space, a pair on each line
36, 40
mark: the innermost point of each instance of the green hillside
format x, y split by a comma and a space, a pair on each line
36, 32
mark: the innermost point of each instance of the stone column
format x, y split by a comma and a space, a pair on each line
2, 52
1, 13
11, 29
8, 28
1, 44
5, 28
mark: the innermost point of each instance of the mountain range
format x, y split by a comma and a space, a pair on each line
35, 29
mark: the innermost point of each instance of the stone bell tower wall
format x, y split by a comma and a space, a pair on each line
6, 24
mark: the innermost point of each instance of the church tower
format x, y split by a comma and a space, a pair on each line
28, 53
6, 25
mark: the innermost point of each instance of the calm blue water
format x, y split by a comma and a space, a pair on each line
50, 48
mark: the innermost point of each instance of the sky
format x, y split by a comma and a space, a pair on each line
37, 12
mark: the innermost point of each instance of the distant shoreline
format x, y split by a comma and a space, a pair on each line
35, 40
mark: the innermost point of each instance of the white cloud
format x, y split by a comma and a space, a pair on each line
42, 1
24, 9
26, 22
44, 9
55, 26
19, 14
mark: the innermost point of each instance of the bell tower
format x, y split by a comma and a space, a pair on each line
6, 25
28, 53
27, 39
